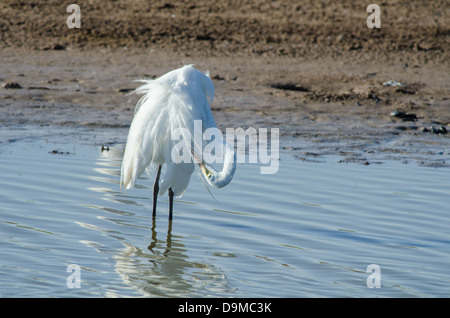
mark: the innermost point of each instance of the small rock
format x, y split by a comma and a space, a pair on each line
38, 87
218, 77
59, 47
13, 85
392, 83
405, 91
440, 130
289, 87
125, 90
374, 97
404, 116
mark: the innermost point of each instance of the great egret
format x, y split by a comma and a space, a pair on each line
172, 101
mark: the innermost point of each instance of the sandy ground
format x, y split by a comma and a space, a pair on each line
313, 69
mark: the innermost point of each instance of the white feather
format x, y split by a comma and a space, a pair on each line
172, 101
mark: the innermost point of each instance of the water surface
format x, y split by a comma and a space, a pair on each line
310, 230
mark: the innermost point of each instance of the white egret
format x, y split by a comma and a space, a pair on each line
172, 101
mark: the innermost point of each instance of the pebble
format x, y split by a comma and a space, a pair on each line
439, 130
403, 115
14, 85
393, 83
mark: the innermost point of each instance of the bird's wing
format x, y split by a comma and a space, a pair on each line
147, 135
175, 100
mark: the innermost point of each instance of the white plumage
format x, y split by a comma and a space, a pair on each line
174, 100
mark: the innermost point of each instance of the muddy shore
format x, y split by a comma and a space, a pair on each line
314, 70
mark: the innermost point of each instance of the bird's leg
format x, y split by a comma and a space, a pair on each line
156, 189
170, 203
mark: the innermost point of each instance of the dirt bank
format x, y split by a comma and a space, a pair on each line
312, 69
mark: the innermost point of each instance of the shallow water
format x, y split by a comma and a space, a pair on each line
311, 230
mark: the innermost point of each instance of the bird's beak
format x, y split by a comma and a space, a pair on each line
205, 170
202, 166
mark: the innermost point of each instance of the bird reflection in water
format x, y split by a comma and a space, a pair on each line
154, 239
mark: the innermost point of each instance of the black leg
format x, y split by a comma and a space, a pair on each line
156, 190
168, 239
154, 240
170, 203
